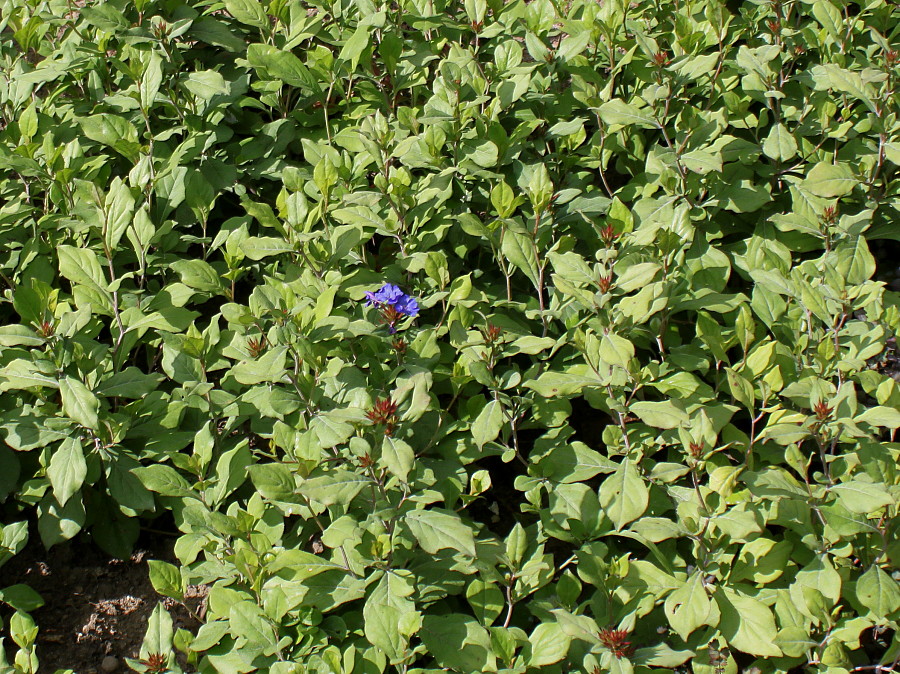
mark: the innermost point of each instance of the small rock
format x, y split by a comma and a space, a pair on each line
109, 664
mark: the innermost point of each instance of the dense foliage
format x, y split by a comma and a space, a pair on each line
477, 336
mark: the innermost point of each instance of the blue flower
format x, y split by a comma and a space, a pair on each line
407, 305
388, 294
393, 303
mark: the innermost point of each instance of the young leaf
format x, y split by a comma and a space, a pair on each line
623, 495
67, 470
438, 530
79, 402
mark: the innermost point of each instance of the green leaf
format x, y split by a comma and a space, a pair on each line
82, 266
616, 350
28, 122
340, 486
391, 618
459, 643
862, 497
689, 607
151, 81
198, 274
831, 76
539, 187
355, 45
248, 12
22, 374
21, 597
212, 31
230, 472
878, 592
129, 383
486, 599
332, 589
553, 384
398, 457
19, 335
67, 470
830, 180
623, 495
518, 248
549, 644
79, 402
58, 523
166, 579
299, 564
830, 17
281, 65
164, 480
269, 367
204, 84
115, 131
821, 576
747, 624
779, 145
702, 162
249, 621
118, 212
664, 414
619, 112
661, 655
274, 481
488, 423
880, 416
438, 530
260, 247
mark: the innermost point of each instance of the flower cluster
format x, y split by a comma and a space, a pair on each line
384, 413
393, 303
616, 641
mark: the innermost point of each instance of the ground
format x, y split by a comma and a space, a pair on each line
96, 608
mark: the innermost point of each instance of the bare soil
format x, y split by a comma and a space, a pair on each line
96, 607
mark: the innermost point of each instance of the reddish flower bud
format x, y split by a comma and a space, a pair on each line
491, 333
608, 235
822, 410
605, 282
696, 449
256, 345
399, 345
155, 663
384, 413
46, 329
661, 59
616, 641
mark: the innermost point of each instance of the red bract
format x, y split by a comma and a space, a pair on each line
399, 344
616, 641
155, 663
384, 413
389, 316
822, 410
491, 333
256, 345
605, 282
608, 235
696, 449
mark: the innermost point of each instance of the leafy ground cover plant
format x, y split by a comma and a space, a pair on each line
474, 336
